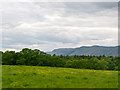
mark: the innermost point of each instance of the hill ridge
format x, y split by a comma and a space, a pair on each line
87, 50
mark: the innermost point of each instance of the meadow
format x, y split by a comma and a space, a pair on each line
20, 76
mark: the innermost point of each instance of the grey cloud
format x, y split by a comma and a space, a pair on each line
52, 25
90, 7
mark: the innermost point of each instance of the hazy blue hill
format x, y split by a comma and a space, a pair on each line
88, 50
63, 51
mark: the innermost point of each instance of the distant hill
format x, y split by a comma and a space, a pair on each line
87, 50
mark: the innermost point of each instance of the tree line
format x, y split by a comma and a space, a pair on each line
39, 58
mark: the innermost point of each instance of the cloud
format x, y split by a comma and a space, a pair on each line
54, 25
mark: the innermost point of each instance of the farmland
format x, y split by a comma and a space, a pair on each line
20, 76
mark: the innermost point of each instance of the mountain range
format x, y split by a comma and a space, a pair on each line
87, 50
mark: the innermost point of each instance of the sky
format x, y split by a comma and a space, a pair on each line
50, 25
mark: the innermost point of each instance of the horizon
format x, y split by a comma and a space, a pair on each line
47, 26
58, 48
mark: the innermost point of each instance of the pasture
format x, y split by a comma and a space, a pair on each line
56, 77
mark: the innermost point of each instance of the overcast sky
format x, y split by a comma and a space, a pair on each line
47, 26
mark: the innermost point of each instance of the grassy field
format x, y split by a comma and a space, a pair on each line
53, 77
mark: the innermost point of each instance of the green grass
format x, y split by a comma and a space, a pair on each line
54, 77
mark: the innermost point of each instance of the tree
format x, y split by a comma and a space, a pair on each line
9, 58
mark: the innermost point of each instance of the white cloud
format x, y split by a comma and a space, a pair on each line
54, 25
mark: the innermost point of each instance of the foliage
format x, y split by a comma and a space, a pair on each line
39, 58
